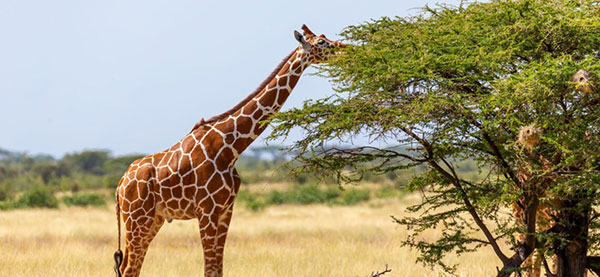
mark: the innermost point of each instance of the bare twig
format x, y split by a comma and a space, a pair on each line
377, 273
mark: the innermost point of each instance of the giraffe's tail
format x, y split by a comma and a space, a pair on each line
118, 254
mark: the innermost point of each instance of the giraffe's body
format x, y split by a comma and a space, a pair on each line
196, 177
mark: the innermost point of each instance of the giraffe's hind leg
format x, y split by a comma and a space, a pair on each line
141, 224
138, 239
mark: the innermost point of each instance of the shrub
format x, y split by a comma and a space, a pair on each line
390, 191
90, 199
5, 193
301, 179
111, 180
276, 198
74, 187
243, 195
37, 197
309, 195
255, 204
331, 193
304, 195
6, 205
354, 196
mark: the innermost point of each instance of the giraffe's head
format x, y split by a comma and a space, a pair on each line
318, 48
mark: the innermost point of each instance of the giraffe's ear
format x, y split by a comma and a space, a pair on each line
300, 38
307, 32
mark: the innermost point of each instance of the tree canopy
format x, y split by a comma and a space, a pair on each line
456, 83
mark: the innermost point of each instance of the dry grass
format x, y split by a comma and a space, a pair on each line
280, 241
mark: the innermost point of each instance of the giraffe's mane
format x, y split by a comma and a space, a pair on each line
248, 98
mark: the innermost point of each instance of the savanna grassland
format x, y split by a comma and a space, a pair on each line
57, 219
282, 240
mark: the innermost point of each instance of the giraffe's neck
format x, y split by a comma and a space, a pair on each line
271, 99
245, 123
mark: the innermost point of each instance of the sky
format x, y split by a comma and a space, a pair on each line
134, 76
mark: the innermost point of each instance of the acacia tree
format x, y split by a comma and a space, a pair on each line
458, 83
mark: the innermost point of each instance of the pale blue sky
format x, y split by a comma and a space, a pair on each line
134, 76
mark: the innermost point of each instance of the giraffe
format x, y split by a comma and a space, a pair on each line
546, 213
196, 177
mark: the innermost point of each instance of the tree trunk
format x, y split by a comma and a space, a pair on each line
575, 260
572, 255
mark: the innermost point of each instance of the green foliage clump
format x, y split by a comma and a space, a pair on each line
88, 199
305, 195
331, 193
243, 195
6, 205
92, 162
308, 195
111, 180
276, 197
390, 192
254, 203
38, 197
5, 192
251, 200
354, 196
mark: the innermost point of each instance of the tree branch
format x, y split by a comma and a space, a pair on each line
593, 264
387, 153
470, 208
498, 154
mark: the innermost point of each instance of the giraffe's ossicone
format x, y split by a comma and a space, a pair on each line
196, 178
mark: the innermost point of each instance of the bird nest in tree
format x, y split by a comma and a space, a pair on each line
529, 136
583, 80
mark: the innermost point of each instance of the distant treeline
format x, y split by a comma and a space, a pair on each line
90, 169
97, 169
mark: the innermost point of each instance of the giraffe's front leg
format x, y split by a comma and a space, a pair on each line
208, 223
222, 229
225, 219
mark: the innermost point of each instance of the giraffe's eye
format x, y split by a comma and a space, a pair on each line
320, 42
